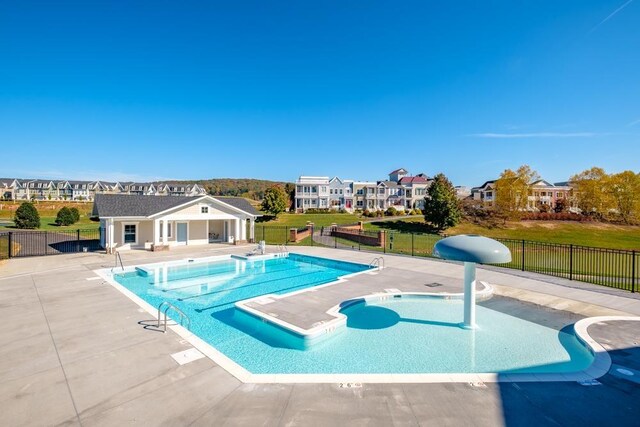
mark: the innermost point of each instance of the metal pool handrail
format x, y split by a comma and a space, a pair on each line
167, 305
377, 262
118, 258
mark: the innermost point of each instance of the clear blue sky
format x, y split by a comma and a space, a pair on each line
275, 89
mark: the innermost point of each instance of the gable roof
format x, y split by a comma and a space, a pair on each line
238, 203
401, 170
130, 205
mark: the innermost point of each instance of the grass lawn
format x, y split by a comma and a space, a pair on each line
319, 220
585, 234
48, 223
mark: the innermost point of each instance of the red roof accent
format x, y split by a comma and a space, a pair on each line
413, 180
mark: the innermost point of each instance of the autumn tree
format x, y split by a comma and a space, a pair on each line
590, 188
274, 201
441, 206
624, 192
512, 190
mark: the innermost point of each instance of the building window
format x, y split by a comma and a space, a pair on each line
204, 209
359, 203
130, 235
169, 228
340, 191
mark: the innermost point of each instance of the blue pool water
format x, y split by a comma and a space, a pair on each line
399, 335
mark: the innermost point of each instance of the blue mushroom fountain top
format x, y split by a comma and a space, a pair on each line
472, 248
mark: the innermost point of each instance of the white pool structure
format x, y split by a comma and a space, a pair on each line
265, 319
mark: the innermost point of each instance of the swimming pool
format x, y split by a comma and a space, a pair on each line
399, 335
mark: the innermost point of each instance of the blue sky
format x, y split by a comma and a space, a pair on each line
275, 89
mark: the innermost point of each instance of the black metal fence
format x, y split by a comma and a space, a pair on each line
14, 244
616, 268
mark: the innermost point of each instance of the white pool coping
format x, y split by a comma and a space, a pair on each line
599, 367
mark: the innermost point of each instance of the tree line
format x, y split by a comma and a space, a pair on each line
253, 189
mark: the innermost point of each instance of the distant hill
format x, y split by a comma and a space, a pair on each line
238, 187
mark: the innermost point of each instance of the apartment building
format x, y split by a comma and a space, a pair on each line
39, 189
401, 191
541, 192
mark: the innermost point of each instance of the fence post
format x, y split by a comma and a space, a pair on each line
523, 245
335, 237
78, 240
633, 271
384, 242
10, 244
570, 262
263, 238
46, 242
312, 231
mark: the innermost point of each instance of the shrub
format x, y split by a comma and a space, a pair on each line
318, 211
64, 217
76, 214
391, 211
27, 216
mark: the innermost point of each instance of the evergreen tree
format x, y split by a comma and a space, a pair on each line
64, 217
275, 200
27, 216
441, 206
76, 214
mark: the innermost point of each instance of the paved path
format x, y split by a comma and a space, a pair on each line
73, 353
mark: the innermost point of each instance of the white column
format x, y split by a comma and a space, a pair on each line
110, 234
470, 295
156, 232
243, 229
236, 225
164, 231
252, 227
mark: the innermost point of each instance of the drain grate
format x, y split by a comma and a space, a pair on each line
433, 285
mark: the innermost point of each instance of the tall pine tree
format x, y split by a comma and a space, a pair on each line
441, 205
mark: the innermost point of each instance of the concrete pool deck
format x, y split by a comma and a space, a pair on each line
72, 352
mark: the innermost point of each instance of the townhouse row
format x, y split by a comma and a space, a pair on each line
40, 189
401, 191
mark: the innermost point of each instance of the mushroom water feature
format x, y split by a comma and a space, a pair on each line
472, 250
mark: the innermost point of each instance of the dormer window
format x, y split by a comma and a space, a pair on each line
204, 209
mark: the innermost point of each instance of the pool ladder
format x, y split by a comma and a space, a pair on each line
282, 250
377, 262
168, 306
118, 259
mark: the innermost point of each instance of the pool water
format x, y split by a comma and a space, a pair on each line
398, 335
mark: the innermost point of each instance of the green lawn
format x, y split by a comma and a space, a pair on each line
48, 223
584, 234
299, 220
